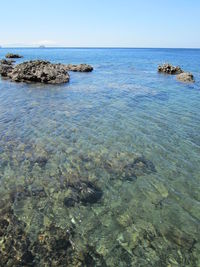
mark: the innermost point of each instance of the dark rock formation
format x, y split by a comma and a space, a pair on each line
169, 69
7, 62
88, 192
39, 71
69, 201
83, 192
186, 77
5, 68
10, 55
79, 68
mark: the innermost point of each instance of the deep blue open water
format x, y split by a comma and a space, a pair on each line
123, 130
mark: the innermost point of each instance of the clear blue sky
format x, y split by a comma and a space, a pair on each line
126, 23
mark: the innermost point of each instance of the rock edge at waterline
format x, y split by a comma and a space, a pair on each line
185, 77
10, 55
181, 75
40, 71
169, 69
79, 68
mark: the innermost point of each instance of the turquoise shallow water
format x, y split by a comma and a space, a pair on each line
124, 130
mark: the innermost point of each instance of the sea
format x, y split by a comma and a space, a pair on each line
104, 170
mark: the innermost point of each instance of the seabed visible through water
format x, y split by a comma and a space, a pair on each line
105, 170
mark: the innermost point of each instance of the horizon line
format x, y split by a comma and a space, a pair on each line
93, 47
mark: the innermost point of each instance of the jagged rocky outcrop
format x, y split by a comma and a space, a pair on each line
182, 76
40, 71
169, 69
10, 55
79, 68
186, 77
37, 71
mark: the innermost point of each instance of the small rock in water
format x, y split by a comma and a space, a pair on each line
169, 69
186, 77
83, 192
79, 68
89, 193
10, 55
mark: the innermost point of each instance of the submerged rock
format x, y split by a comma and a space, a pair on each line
56, 247
144, 165
88, 192
186, 77
53, 247
79, 68
83, 192
169, 69
69, 202
10, 55
39, 71
139, 167
15, 247
127, 166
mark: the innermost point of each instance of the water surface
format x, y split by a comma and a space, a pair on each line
125, 130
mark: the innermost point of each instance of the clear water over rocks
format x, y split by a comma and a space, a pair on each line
103, 170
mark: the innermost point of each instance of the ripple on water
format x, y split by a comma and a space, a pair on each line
101, 172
